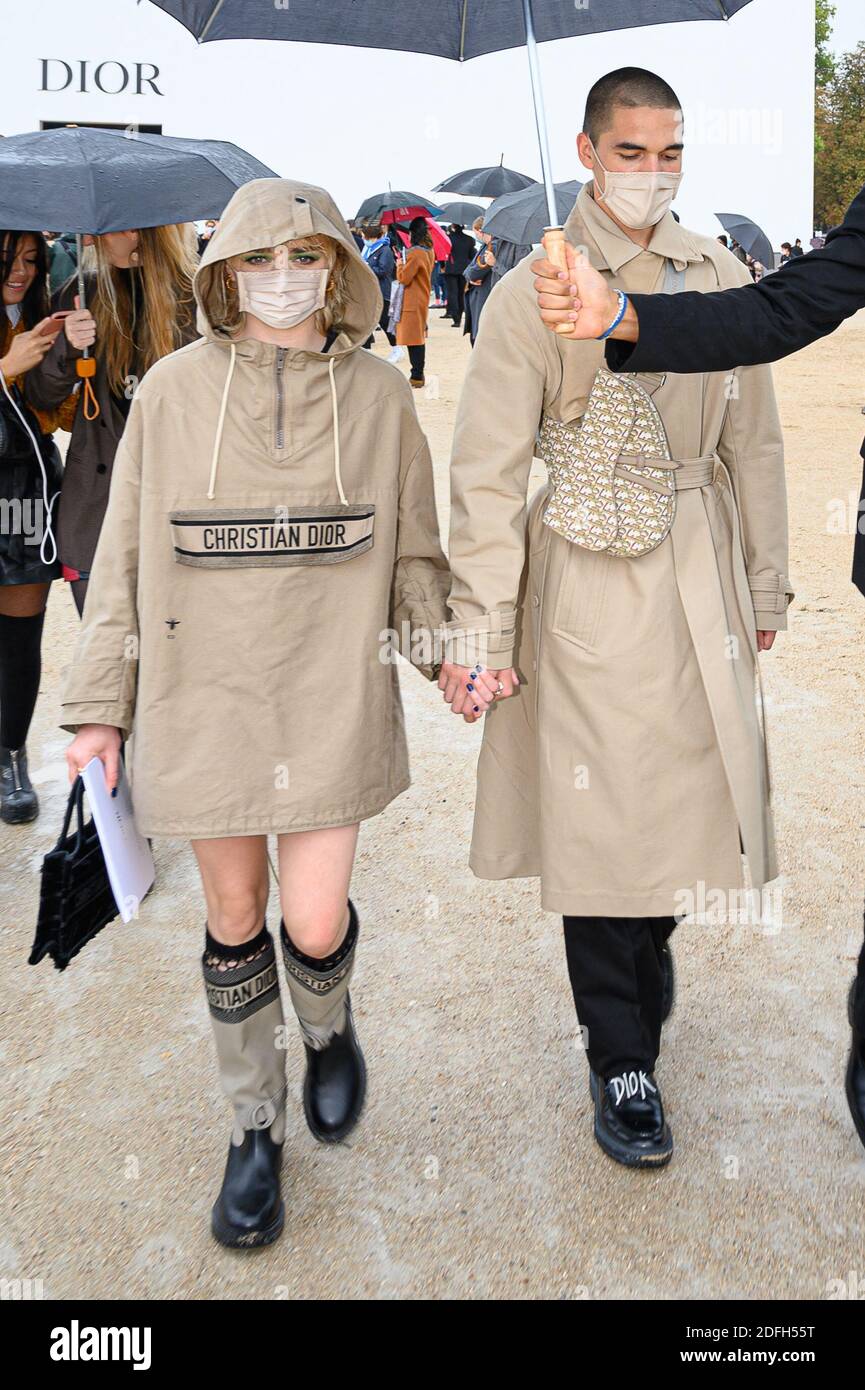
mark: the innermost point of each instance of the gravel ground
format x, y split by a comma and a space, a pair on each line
473, 1173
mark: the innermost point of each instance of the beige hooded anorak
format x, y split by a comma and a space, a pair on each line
630, 769
271, 517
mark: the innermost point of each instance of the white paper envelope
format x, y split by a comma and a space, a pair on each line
127, 853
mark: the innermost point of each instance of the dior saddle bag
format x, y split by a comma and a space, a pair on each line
611, 474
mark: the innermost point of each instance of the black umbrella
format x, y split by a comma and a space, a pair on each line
522, 217
85, 179
489, 182
749, 236
457, 29
394, 206
463, 214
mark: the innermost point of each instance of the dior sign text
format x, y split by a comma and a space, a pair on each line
110, 77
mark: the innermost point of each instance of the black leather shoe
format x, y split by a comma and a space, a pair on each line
249, 1210
629, 1120
334, 1089
668, 998
854, 1081
18, 801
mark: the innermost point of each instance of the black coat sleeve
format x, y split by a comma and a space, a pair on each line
803, 301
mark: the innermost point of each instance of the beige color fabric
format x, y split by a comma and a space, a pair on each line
248, 1028
633, 757
249, 666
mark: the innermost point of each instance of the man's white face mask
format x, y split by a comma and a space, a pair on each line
639, 198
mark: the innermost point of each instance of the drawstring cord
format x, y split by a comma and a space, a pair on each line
218, 440
221, 422
48, 503
330, 366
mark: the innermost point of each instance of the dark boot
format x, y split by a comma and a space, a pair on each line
854, 1081
246, 1012
629, 1119
249, 1210
334, 1088
18, 801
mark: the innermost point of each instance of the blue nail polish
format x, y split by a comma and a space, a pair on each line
476, 708
113, 791
469, 686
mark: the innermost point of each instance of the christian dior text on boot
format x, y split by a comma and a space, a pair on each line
243, 996
334, 1088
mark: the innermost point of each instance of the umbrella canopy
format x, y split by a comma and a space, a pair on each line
522, 217
459, 29
440, 240
749, 236
84, 179
398, 206
463, 214
489, 182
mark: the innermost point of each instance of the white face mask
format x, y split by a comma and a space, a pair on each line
281, 298
638, 199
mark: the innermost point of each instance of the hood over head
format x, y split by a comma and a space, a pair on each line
267, 212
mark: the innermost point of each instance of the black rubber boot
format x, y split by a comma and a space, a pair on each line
243, 997
18, 801
334, 1088
629, 1120
249, 1210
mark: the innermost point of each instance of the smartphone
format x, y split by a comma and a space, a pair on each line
53, 324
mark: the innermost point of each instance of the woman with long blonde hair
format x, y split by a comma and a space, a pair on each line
140, 307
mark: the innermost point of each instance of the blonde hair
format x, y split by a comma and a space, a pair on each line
219, 298
135, 335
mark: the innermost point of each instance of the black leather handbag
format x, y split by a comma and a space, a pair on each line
76, 900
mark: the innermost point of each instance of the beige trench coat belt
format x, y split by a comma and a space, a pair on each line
728, 683
686, 473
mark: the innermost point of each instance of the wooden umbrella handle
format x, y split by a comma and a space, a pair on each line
553, 242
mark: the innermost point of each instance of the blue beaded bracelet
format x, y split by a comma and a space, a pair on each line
623, 304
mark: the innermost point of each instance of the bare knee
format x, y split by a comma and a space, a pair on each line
238, 916
317, 932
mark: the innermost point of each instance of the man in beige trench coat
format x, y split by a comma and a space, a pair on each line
629, 772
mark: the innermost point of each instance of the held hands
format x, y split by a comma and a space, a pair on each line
95, 741
471, 690
579, 298
80, 328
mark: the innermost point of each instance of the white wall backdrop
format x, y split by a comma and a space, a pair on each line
356, 120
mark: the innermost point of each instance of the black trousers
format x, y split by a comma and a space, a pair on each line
455, 286
614, 965
382, 323
417, 358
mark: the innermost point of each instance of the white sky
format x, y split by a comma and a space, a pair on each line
355, 120
849, 24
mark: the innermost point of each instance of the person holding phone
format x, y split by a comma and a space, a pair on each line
138, 286
30, 478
